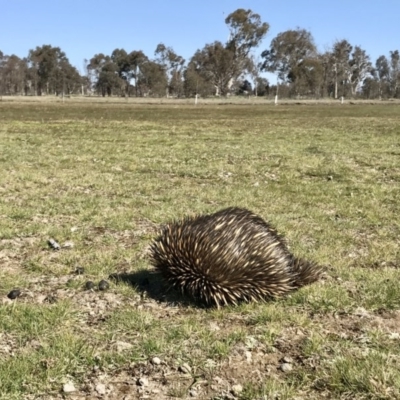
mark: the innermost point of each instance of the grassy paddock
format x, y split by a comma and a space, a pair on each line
104, 175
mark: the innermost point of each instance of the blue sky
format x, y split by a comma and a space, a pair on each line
82, 28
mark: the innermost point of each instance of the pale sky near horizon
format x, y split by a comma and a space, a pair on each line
83, 28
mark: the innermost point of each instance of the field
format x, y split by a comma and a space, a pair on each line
100, 178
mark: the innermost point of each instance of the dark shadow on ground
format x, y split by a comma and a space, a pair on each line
151, 284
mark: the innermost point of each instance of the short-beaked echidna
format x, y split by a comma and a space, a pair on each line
230, 256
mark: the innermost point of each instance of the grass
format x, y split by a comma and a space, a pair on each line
104, 175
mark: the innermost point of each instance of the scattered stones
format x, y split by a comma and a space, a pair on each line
53, 244
185, 368
14, 294
103, 285
89, 285
155, 361
143, 381
69, 387
237, 389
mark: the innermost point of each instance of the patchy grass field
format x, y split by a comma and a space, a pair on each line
100, 178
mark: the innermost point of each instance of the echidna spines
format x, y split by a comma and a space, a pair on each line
229, 256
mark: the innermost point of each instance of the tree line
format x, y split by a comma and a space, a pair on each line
218, 69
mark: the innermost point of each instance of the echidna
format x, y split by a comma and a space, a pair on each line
230, 256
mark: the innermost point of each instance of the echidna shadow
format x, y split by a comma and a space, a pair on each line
229, 257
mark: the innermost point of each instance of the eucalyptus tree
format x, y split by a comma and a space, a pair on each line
173, 65
222, 64
293, 56
49, 69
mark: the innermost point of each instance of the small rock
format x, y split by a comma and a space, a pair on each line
103, 285
143, 381
193, 393
74, 229
53, 244
89, 285
69, 387
185, 368
155, 361
237, 389
287, 359
100, 388
14, 294
248, 356
394, 335
68, 245
286, 367
361, 312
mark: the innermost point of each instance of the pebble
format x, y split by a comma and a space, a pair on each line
100, 388
89, 285
185, 368
155, 361
394, 335
237, 389
193, 393
103, 285
361, 312
69, 387
286, 367
248, 356
68, 245
287, 359
53, 244
14, 294
143, 381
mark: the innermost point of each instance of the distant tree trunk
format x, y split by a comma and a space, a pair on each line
336, 83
